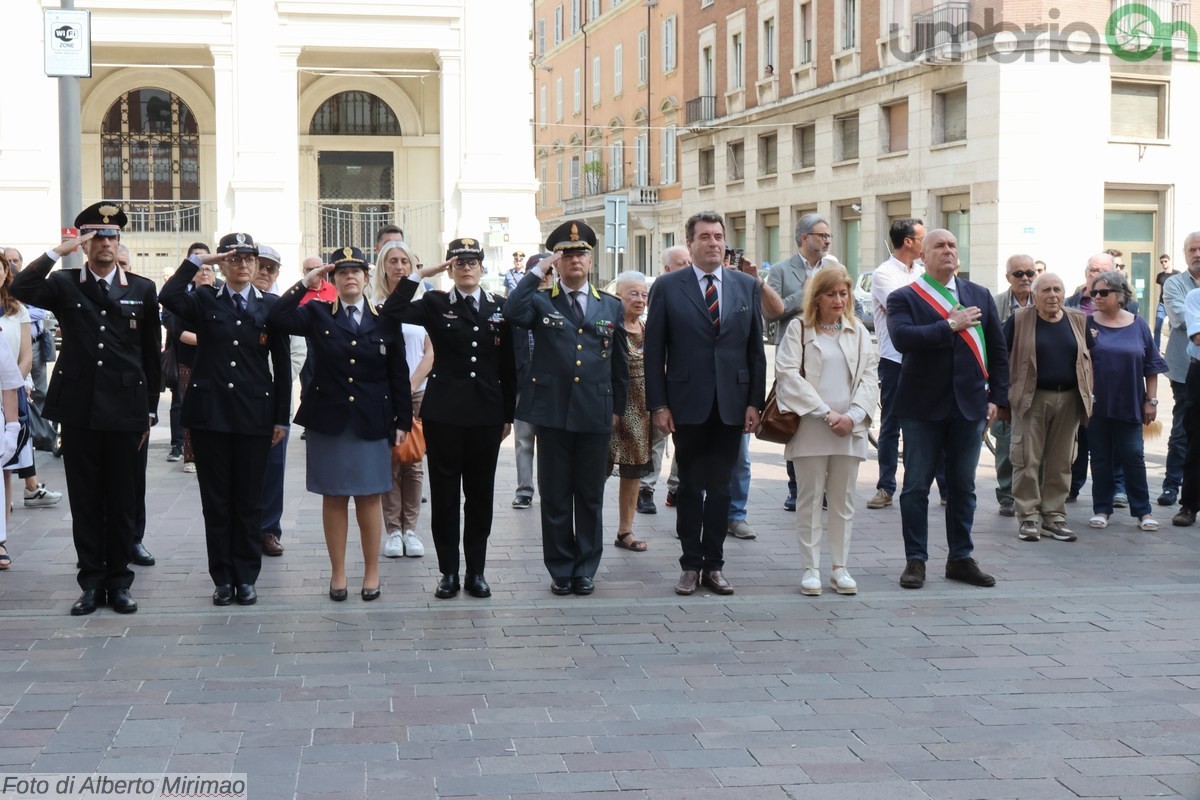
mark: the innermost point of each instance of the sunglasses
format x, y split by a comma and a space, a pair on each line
271, 268
518, 255
1120, 266
1103, 292
105, 233
1028, 273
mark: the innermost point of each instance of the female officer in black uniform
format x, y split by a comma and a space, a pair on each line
468, 406
237, 403
358, 403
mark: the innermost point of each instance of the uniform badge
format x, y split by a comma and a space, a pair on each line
133, 324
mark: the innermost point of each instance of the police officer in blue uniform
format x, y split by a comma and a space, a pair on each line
468, 406
104, 395
576, 391
237, 405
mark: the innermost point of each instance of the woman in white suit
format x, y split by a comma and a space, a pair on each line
826, 370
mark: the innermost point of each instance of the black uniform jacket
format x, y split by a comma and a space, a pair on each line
473, 380
107, 375
241, 378
360, 376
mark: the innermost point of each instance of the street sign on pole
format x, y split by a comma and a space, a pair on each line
616, 227
68, 43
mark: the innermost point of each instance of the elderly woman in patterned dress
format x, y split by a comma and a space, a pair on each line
629, 449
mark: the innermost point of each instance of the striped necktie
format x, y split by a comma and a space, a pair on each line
713, 303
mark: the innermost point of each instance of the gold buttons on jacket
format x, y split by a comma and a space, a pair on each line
578, 347
577, 379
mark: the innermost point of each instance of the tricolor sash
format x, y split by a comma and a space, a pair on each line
941, 301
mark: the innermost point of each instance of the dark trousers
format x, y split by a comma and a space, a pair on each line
229, 470
571, 469
176, 416
1177, 444
462, 470
139, 512
1079, 467
889, 425
272, 496
1189, 492
957, 440
705, 454
101, 471
1116, 442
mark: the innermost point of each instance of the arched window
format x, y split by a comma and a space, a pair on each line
354, 114
151, 149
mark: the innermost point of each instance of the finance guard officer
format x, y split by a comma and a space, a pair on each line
575, 394
104, 394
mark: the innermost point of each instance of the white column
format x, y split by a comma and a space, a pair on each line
453, 96
226, 127
285, 226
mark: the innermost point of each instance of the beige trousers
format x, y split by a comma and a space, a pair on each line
832, 477
402, 505
1043, 443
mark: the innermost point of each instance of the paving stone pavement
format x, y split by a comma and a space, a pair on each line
1074, 677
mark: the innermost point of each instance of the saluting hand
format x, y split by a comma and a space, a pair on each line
70, 245
429, 272
312, 278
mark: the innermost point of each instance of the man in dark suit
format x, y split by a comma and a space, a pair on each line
705, 383
576, 391
953, 377
104, 394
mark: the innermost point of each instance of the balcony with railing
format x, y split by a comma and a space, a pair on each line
643, 196
1142, 25
942, 29
700, 110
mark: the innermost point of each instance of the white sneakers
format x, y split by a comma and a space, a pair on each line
403, 544
394, 546
811, 582
839, 580
412, 545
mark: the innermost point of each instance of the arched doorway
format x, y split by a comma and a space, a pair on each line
150, 161
356, 187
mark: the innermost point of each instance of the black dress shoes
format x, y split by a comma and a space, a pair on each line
122, 601
338, 595
223, 595
246, 595
913, 576
88, 602
561, 586
581, 584
370, 594
477, 586
141, 556
447, 587
967, 570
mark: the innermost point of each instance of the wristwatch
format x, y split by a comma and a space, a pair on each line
953, 324
1152, 401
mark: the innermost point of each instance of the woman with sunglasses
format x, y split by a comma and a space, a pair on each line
1126, 365
237, 405
468, 407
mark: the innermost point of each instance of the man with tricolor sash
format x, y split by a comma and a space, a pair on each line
953, 377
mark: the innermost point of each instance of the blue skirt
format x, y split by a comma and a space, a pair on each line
347, 466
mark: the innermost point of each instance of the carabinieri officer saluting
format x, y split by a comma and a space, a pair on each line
104, 394
468, 406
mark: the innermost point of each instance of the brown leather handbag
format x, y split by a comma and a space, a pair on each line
412, 449
775, 424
